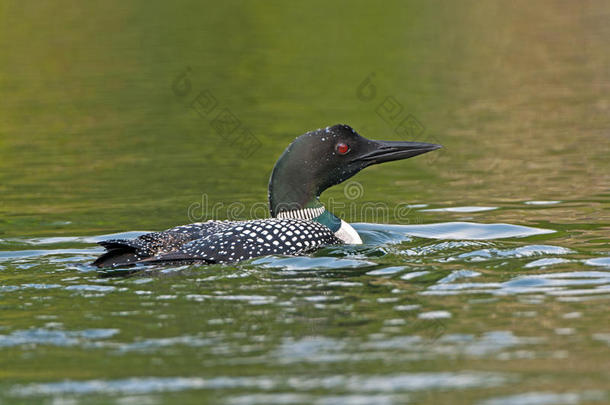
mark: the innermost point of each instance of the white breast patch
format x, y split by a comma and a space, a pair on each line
348, 234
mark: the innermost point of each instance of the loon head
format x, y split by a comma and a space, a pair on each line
323, 158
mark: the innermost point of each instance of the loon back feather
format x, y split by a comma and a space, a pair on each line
247, 239
222, 242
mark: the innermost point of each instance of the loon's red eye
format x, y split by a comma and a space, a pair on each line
342, 148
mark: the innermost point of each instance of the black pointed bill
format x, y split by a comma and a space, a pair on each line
387, 151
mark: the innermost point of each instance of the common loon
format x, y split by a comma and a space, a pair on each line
299, 222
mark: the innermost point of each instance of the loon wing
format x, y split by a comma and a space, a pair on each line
121, 252
243, 240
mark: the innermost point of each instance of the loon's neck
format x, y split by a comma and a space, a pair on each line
290, 189
294, 192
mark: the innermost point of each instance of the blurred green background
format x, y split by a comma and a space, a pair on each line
92, 134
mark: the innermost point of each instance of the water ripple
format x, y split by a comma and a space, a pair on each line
402, 382
39, 336
546, 398
519, 252
459, 230
551, 283
460, 209
308, 263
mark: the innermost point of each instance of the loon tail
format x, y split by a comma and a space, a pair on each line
129, 252
119, 252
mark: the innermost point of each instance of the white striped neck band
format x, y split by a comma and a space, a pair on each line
305, 213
